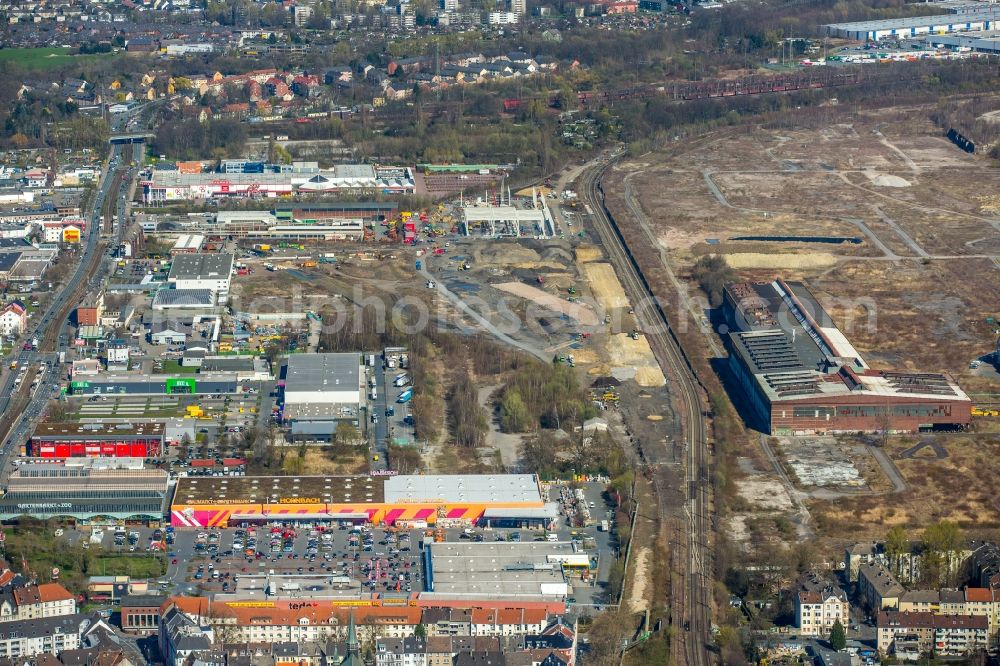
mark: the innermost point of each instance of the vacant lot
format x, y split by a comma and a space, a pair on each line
957, 487
916, 290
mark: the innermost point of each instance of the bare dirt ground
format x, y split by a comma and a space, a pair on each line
914, 294
605, 285
960, 486
577, 311
921, 310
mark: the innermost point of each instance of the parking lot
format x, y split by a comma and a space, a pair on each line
341, 560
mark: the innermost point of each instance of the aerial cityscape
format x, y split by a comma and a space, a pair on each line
499, 333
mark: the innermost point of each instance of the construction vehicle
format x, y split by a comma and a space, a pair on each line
609, 396
262, 248
194, 411
308, 264
985, 411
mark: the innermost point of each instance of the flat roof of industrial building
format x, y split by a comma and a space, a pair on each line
498, 568
915, 21
790, 344
272, 490
361, 489
320, 411
189, 242
339, 206
97, 430
183, 297
201, 266
501, 213
323, 372
471, 488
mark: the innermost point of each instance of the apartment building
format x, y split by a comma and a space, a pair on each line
30, 602
817, 610
508, 621
877, 587
21, 639
940, 635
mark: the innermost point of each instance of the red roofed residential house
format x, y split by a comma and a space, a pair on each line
236, 110
46, 600
275, 87
818, 607
293, 621
255, 91
13, 318
306, 85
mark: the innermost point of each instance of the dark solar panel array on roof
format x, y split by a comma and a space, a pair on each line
793, 383
771, 351
913, 382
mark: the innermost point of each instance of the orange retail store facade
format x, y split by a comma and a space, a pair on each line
215, 515
402, 500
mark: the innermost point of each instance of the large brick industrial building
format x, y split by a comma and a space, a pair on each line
799, 373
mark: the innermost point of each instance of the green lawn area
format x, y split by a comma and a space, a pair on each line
174, 367
44, 58
136, 566
34, 542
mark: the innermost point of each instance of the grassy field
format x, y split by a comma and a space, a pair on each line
42, 58
34, 542
173, 367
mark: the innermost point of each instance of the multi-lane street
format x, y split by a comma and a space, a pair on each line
690, 601
59, 308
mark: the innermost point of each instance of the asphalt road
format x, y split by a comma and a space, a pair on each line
24, 358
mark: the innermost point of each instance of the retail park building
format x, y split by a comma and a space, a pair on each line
404, 499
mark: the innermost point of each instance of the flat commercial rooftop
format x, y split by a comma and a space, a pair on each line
788, 341
201, 267
7, 260
320, 411
97, 430
914, 21
279, 489
498, 568
471, 488
173, 298
317, 373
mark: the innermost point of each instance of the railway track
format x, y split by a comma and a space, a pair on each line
690, 595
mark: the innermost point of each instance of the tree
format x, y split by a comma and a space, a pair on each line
838, 637
514, 416
942, 536
420, 631
896, 542
347, 433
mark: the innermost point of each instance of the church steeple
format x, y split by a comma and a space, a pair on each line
352, 637
353, 656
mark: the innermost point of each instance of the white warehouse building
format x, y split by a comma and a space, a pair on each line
203, 271
322, 390
914, 26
